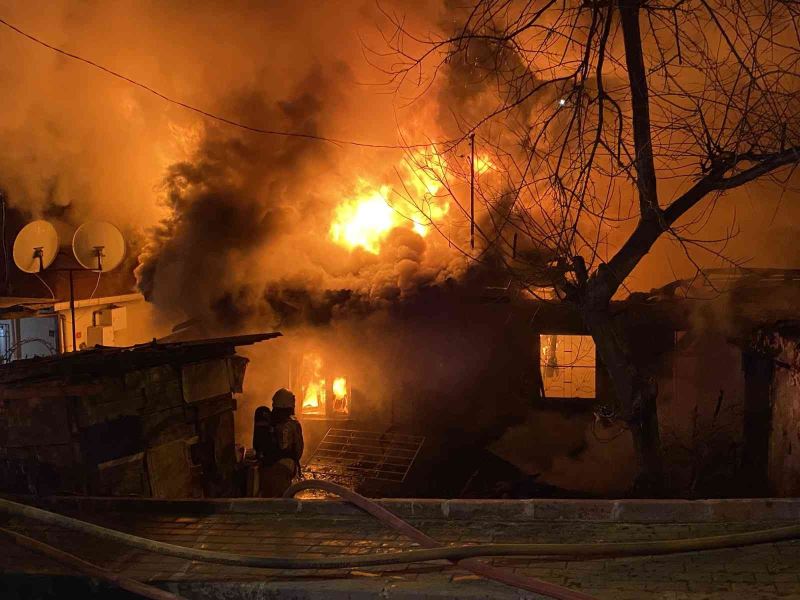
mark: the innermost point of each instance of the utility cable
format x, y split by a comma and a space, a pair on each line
44, 283
205, 113
96, 285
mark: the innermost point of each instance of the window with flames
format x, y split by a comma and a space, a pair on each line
568, 365
322, 393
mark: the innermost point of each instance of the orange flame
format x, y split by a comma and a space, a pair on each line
367, 219
341, 397
364, 221
483, 164
313, 389
339, 387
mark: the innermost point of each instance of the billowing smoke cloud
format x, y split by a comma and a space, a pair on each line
241, 220
249, 217
236, 223
234, 196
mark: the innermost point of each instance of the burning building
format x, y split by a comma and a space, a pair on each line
469, 392
375, 258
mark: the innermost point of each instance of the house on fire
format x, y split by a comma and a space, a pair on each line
722, 351
509, 398
462, 390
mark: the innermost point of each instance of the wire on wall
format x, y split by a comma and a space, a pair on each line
44, 283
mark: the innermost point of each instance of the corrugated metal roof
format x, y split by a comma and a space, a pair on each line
104, 360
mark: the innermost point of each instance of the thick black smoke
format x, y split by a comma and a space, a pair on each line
246, 240
238, 193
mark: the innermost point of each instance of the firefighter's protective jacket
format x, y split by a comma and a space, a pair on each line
289, 435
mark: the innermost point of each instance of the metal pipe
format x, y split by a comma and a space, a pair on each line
62, 333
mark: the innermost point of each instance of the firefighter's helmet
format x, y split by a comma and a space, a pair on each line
283, 398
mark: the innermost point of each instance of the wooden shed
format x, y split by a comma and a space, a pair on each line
152, 420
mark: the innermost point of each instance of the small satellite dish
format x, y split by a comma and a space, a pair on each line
98, 246
36, 247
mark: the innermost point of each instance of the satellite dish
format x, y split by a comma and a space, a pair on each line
98, 246
36, 247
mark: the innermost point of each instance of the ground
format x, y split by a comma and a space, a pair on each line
316, 528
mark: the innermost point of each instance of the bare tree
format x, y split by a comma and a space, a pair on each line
613, 123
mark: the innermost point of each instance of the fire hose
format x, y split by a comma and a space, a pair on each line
137, 587
478, 567
434, 553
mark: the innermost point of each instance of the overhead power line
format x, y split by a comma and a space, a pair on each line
210, 115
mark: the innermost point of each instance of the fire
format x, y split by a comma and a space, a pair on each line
312, 378
314, 388
314, 397
339, 387
341, 398
364, 221
367, 219
483, 164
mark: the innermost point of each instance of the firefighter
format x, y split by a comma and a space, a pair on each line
289, 440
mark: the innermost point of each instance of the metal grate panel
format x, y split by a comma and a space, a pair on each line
365, 454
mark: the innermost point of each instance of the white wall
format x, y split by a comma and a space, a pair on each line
39, 336
35, 336
142, 323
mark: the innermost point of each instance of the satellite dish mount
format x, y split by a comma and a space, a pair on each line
98, 252
38, 253
97, 246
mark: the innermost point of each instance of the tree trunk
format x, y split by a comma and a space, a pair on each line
636, 396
